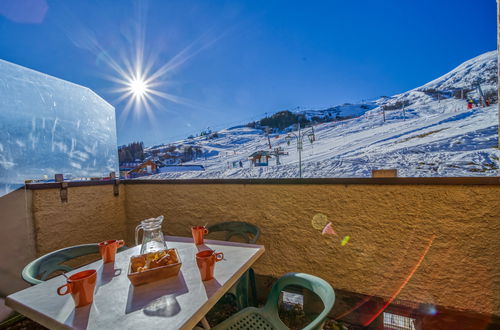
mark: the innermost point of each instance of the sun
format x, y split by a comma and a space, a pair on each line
138, 87
142, 83
141, 79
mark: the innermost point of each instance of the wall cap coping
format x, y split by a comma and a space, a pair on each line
309, 181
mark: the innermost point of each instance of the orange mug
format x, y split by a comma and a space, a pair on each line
107, 249
198, 233
206, 263
81, 286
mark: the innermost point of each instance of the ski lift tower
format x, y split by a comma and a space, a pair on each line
481, 94
299, 138
277, 152
268, 130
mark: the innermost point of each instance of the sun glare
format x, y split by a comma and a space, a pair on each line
141, 82
138, 87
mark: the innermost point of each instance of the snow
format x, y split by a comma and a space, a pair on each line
344, 110
434, 136
483, 67
49, 126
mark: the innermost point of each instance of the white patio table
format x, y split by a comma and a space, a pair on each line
174, 303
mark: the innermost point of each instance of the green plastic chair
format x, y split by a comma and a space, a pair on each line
40, 269
250, 233
267, 317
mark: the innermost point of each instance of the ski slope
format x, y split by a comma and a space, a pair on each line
433, 136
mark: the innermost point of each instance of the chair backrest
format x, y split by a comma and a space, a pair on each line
237, 228
39, 269
315, 284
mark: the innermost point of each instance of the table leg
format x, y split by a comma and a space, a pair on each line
205, 324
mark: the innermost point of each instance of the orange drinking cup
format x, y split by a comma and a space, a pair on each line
206, 263
108, 249
81, 286
198, 233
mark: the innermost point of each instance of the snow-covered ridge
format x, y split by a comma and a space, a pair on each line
427, 131
482, 68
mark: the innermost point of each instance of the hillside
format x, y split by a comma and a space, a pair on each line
427, 131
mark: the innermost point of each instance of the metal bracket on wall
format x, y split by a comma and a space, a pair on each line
58, 178
64, 192
116, 187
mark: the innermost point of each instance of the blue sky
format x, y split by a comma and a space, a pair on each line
229, 62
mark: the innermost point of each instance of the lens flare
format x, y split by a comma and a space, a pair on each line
142, 83
319, 221
142, 79
138, 87
406, 280
328, 230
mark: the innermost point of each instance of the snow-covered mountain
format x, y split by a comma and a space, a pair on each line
482, 68
345, 110
427, 131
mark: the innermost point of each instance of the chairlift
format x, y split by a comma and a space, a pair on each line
311, 137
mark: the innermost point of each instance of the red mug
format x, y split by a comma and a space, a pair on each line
107, 249
81, 286
206, 263
198, 233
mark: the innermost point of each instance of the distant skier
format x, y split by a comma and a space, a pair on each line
241, 163
488, 102
470, 104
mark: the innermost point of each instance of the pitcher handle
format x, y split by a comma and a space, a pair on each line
139, 227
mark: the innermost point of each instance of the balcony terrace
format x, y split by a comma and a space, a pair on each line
426, 248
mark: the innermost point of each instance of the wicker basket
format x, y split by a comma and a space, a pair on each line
155, 274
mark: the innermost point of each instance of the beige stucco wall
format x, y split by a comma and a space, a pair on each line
92, 214
17, 243
390, 227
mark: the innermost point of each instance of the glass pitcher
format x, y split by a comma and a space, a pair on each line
152, 236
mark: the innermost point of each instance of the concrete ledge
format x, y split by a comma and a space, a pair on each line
324, 181
343, 181
53, 185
